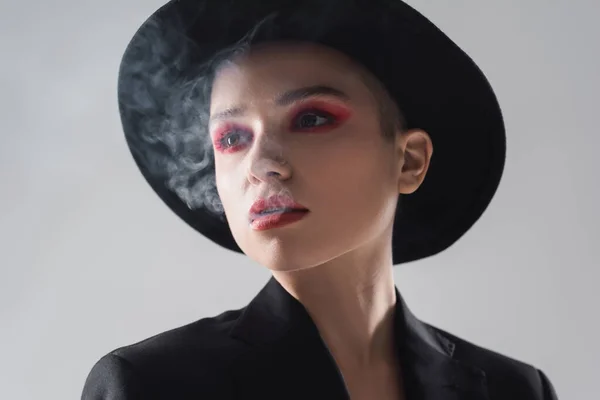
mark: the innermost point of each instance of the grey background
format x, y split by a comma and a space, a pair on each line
91, 260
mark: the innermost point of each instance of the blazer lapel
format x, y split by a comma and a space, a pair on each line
285, 357
430, 368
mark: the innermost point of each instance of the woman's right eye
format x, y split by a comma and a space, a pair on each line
232, 140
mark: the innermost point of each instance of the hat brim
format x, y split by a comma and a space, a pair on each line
436, 84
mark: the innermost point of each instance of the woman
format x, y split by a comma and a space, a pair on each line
301, 134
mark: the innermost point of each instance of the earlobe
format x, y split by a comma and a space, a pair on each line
417, 150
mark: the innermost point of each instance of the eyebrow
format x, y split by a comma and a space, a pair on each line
286, 99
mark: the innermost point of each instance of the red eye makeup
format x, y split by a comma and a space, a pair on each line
313, 116
322, 116
231, 137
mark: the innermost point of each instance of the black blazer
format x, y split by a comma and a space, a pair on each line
271, 349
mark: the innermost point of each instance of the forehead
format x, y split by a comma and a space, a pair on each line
268, 70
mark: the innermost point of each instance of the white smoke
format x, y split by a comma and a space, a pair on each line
164, 98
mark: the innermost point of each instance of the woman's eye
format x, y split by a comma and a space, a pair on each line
232, 139
313, 119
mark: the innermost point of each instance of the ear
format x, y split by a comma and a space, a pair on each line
415, 150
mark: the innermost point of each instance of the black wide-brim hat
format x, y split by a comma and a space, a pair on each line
436, 85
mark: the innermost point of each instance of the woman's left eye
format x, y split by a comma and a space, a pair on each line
312, 119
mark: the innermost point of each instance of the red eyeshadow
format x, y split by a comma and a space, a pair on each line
338, 112
224, 130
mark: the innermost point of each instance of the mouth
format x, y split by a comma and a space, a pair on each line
278, 211
275, 211
273, 206
276, 218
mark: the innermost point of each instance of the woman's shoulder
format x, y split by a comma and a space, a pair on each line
476, 354
205, 341
208, 336
193, 358
503, 372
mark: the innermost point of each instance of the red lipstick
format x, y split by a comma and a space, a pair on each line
277, 220
274, 212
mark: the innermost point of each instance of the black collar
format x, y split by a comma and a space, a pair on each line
285, 343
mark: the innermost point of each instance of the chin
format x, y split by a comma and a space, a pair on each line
276, 267
281, 256
287, 250
283, 261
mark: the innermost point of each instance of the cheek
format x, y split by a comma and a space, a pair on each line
226, 188
355, 180
338, 165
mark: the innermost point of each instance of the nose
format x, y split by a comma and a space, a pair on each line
267, 161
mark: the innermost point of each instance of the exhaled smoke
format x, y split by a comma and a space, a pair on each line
164, 99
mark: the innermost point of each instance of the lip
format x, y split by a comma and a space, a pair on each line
277, 220
278, 201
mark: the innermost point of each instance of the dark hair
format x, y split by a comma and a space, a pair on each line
167, 94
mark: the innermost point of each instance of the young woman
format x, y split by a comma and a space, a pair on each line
302, 134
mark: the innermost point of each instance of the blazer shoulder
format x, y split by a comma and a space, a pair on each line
207, 338
191, 360
511, 377
204, 335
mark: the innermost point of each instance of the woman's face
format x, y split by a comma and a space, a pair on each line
323, 149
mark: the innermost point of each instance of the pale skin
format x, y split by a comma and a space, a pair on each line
337, 261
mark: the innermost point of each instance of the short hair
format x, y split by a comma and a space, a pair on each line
391, 118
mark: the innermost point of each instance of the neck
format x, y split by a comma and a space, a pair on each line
351, 300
